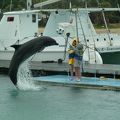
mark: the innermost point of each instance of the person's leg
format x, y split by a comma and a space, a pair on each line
71, 71
77, 73
71, 67
77, 69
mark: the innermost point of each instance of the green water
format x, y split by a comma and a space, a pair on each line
57, 103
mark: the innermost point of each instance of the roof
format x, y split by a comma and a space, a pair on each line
52, 10
21, 12
82, 9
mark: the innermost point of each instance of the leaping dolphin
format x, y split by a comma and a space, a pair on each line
24, 51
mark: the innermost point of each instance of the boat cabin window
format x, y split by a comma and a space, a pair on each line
10, 19
87, 40
97, 39
34, 18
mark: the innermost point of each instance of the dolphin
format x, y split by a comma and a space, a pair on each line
24, 51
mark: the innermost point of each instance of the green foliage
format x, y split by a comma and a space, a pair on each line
97, 17
20, 4
16, 5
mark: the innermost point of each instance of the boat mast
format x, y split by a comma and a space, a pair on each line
29, 4
41, 4
10, 5
76, 24
108, 31
118, 7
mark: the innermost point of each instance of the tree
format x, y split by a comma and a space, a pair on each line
112, 17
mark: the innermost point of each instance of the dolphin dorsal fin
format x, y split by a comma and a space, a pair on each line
15, 46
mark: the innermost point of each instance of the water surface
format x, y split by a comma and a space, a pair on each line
57, 103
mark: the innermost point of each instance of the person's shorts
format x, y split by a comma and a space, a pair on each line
71, 61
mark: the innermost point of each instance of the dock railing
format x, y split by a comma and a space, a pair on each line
87, 68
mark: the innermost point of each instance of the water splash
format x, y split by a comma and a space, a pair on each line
25, 79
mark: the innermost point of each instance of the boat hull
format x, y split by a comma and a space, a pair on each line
111, 57
108, 57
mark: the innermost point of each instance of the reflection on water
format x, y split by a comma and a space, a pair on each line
14, 93
57, 103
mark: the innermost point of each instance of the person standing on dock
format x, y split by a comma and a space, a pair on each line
75, 58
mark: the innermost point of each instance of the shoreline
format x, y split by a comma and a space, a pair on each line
112, 30
99, 31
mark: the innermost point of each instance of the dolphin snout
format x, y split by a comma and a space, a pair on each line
56, 43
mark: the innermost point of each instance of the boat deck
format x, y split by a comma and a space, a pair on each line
85, 82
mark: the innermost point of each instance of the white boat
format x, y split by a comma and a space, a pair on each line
107, 44
16, 28
20, 26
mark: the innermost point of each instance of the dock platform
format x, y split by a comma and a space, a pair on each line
95, 69
85, 82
